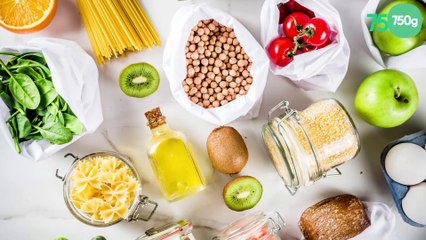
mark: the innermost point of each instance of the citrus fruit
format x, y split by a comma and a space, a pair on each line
26, 16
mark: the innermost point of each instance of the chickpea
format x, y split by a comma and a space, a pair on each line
218, 68
194, 99
189, 81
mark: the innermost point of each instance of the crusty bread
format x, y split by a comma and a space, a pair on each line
337, 218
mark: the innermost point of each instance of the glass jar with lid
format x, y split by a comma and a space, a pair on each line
257, 226
104, 188
305, 145
181, 230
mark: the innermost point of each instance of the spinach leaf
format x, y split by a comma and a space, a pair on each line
51, 114
61, 118
14, 132
55, 133
30, 72
73, 124
24, 90
7, 99
23, 125
47, 92
35, 56
30, 63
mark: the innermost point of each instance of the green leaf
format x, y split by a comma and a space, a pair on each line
24, 90
51, 114
60, 238
7, 99
47, 92
73, 124
30, 72
13, 129
23, 125
30, 63
56, 133
35, 56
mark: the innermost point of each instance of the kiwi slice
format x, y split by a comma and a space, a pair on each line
242, 193
139, 80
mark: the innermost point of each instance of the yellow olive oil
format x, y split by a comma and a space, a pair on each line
172, 161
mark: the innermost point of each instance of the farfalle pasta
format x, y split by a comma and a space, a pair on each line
103, 187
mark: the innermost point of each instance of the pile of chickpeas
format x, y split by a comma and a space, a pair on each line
218, 68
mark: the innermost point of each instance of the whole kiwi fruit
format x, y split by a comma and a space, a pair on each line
227, 150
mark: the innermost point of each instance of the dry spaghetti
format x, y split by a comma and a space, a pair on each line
116, 27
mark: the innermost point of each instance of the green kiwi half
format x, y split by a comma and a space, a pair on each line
242, 193
139, 80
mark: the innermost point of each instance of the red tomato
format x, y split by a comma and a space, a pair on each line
317, 32
293, 24
290, 7
307, 48
280, 51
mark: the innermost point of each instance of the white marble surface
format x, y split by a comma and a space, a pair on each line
31, 201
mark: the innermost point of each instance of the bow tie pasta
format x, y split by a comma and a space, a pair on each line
103, 187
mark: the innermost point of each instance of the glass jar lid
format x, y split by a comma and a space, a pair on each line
175, 231
254, 225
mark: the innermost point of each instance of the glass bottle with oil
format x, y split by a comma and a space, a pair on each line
172, 161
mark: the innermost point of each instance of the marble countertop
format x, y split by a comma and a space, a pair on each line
32, 204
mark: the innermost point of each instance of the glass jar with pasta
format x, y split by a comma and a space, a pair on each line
103, 188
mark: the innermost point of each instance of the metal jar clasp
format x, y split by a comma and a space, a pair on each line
62, 178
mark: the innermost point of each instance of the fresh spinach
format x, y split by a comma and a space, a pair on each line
47, 92
73, 124
24, 90
23, 125
37, 111
56, 133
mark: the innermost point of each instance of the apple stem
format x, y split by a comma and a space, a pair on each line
398, 93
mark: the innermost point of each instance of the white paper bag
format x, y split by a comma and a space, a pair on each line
174, 64
411, 60
75, 77
322, 69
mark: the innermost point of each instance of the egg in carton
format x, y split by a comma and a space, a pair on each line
406, 177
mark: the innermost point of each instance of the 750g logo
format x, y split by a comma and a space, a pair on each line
402, 20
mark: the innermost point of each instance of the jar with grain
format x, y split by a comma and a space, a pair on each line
305, 145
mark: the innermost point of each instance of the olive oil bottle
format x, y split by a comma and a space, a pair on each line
172, 161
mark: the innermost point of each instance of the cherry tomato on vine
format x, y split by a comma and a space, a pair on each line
316, 32
307, 48
293, 24
281, 51
290, 7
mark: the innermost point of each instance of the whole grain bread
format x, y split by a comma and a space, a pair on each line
337, 218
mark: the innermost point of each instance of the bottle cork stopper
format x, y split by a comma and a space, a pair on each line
155, 118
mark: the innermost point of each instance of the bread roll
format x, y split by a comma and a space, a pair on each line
337, 218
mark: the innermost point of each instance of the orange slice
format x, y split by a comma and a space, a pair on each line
26, 16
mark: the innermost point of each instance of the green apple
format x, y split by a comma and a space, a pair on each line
386, 98
393, 45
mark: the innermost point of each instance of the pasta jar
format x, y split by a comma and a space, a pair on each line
181, 230
104, 188
305, 145
257, 226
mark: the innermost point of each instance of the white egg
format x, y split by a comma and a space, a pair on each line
406, 163
413, 203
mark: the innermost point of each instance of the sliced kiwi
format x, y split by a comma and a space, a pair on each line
139, 80
242, 193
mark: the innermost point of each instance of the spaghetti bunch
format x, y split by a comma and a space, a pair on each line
116, 27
